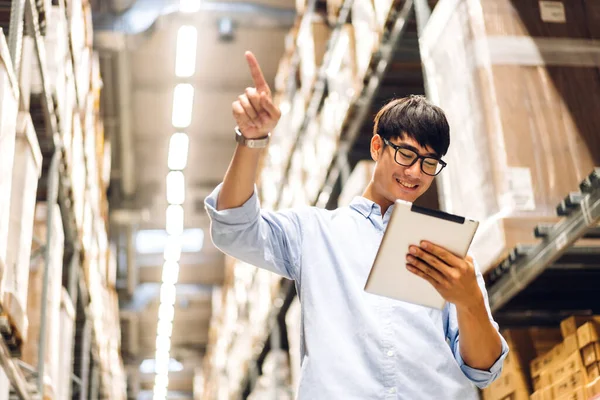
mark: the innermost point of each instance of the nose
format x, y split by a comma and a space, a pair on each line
414, 171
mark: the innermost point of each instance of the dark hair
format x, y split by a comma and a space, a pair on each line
414, 116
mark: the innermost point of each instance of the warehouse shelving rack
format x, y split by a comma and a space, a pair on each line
544, 283
400, 17
26, 381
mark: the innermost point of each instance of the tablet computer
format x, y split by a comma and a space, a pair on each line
409, 225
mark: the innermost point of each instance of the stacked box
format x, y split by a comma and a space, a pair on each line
26, 172
563, 372
53, 301
312, 44
513, 383
519, 84
588, 336
9, 94
366, 33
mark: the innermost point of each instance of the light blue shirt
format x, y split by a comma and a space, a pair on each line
355, 345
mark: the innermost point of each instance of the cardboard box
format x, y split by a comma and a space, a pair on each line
543, 380
588, 333
593, 389
593, 371
590, 353
577, 394
544, 339
569, 384
569, 326
511, 382
53, 299
530, 136
26, 173
572, 365
544, 393
9, 93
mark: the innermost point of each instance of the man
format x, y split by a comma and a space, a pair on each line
357, 345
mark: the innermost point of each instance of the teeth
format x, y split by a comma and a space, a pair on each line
405, 184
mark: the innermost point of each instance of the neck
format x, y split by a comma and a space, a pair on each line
371, 194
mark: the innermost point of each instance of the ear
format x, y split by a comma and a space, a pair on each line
376, 146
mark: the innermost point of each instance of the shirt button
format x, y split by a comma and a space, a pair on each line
390, 353
392, 390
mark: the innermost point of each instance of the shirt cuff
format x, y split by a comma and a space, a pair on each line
483, 378
232, 219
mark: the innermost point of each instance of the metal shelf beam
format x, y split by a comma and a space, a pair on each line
582, 218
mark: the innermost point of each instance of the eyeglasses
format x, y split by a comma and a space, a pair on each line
407, 157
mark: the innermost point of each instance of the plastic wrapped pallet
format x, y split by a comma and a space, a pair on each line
366, 33
26, 172
9, 94
519, 84
342, 73
53, 301
312, 44
67, 334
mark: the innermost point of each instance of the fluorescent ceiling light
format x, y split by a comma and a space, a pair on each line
153, 241
163, 343
183, 102
173, 248
189, 6
178, 151
167, 294
174, 220
170, 272
161, 380
164, 328
175, 187
162, 358
161, 368
166, 312
160, 391
185, 57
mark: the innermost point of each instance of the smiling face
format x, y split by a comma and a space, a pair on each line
392, 181
413, 123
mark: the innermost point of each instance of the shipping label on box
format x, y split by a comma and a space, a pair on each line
588, 333
590, 353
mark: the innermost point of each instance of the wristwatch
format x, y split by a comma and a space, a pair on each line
257, 143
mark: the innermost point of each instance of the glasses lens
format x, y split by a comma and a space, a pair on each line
405, 156
431, 166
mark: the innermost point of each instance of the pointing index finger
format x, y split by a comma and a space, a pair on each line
257, 76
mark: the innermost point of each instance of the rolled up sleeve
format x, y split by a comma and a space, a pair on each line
266, 239
481, 378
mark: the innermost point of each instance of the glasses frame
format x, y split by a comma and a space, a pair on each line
417, 158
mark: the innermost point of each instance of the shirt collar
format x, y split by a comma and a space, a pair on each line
368, 207
365, 206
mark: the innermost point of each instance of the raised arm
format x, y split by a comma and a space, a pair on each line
256, 116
